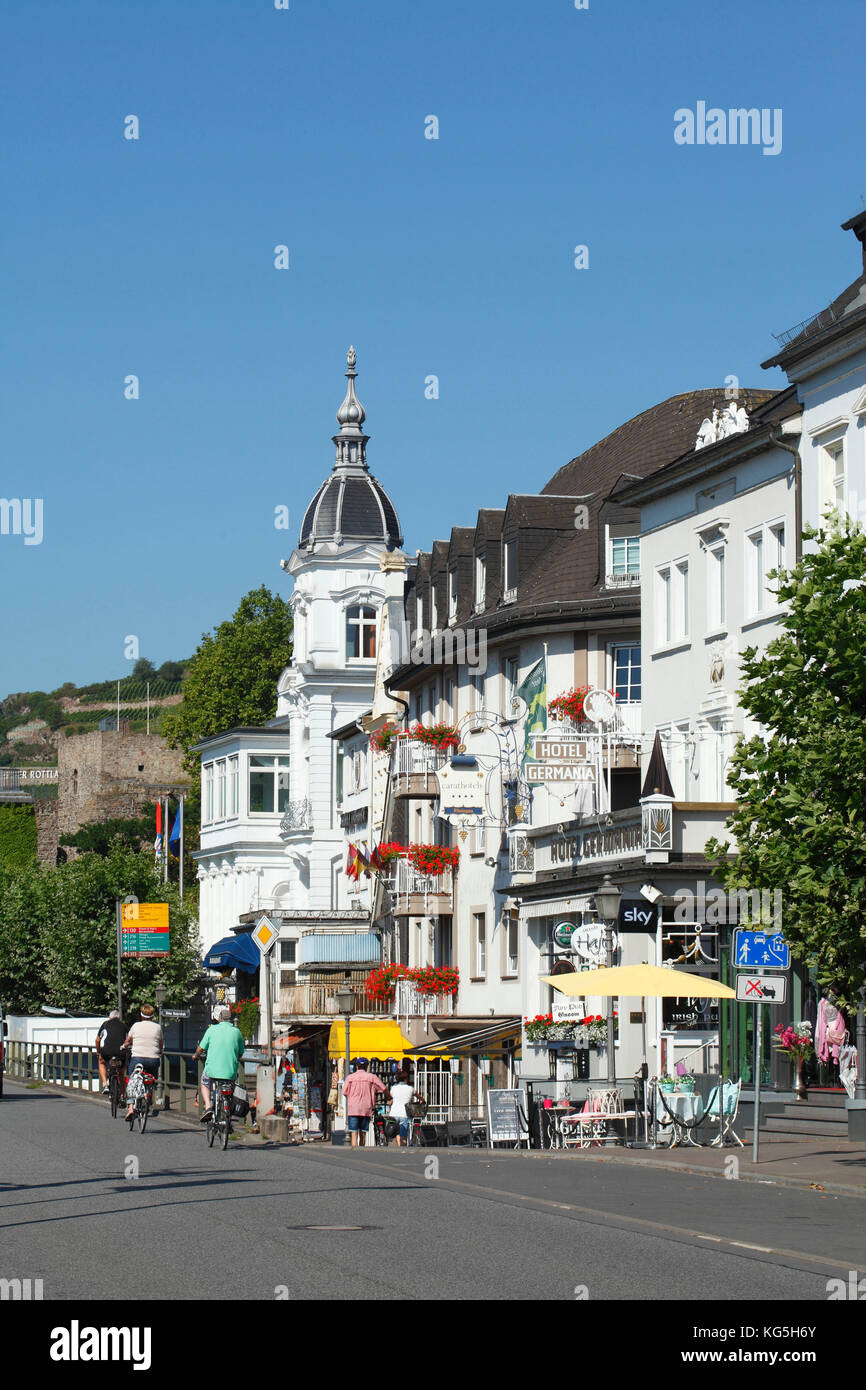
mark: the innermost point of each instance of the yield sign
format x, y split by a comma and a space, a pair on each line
264, 934
760, 988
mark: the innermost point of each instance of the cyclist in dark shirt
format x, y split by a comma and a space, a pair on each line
109, 1043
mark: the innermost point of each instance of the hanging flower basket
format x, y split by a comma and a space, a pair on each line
427, 859
569, 705
381, 983
441, 736
381, 740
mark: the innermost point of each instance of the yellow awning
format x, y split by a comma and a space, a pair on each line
368, 1037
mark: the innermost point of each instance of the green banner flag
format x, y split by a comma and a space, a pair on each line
534, 692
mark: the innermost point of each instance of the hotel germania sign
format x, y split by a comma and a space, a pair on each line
595, 844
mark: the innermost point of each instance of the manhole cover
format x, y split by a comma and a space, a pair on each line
333, 1228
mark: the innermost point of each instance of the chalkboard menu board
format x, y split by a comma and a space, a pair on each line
506, 1122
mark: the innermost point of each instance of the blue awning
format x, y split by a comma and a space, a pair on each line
234, 953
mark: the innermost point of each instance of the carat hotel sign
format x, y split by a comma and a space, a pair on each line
461, 791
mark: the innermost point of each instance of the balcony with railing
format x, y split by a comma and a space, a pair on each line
410, 1002
413, 768
622, 581
415, 894
320, 1001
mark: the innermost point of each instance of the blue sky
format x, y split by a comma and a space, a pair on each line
451, 257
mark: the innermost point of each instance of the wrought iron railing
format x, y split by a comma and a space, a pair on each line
298, 815
75, 1068
412, 757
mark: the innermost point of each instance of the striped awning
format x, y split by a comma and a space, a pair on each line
466, 1043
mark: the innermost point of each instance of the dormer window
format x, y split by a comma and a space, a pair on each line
434, 617
452, 596
480, 582
361, 633
623, 559
509, 571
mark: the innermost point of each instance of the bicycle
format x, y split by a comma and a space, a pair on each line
115, 1089
140, 1101
220, 1119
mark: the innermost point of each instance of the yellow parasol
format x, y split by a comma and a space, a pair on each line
645, 981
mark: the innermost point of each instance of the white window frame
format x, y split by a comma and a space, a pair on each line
480, 582
359, 625
510, 934
232, 786
510, 683
672, 603
717, 585
509, 570
207, 797
834, 475
452, 596
220, 797
479, 945
281, 768
764, 549
613, 648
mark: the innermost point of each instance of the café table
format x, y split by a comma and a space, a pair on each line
686, 1108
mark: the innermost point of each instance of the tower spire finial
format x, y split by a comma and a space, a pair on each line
351, 442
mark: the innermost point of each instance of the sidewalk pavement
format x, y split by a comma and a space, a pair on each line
826, 1164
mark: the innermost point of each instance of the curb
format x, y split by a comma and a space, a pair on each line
610, 1156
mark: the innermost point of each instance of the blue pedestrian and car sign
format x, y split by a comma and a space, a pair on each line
767, 950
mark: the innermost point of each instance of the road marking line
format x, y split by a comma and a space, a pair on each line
652, 1227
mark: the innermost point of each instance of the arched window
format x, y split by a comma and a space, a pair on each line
360, 633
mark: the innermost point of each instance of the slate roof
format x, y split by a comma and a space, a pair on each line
646, 442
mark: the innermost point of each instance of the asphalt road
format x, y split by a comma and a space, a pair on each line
96, 1212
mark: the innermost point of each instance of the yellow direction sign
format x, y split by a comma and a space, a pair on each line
264, 934
146, 916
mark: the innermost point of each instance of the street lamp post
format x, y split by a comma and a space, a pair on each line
160, 991
860, 1087
607, 900
346, 1004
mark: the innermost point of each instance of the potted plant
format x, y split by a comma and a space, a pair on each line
246, 1015
667, 1083
796, 1041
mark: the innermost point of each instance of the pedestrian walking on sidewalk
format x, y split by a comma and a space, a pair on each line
360, 1090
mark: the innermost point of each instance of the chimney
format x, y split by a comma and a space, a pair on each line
857, 225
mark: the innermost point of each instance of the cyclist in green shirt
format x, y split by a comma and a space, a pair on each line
221, 1047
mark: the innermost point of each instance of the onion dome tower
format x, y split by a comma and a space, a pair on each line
350, 506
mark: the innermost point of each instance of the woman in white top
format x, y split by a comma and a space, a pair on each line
400, 1093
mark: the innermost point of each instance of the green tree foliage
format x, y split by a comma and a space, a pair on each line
232, 677
58, 935
143, 669
170, 671
17, 836
98, 838
800, 824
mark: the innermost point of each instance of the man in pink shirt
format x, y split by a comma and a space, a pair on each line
359, 1091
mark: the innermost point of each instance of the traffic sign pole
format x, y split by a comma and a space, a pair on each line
759, 1019
119, 977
